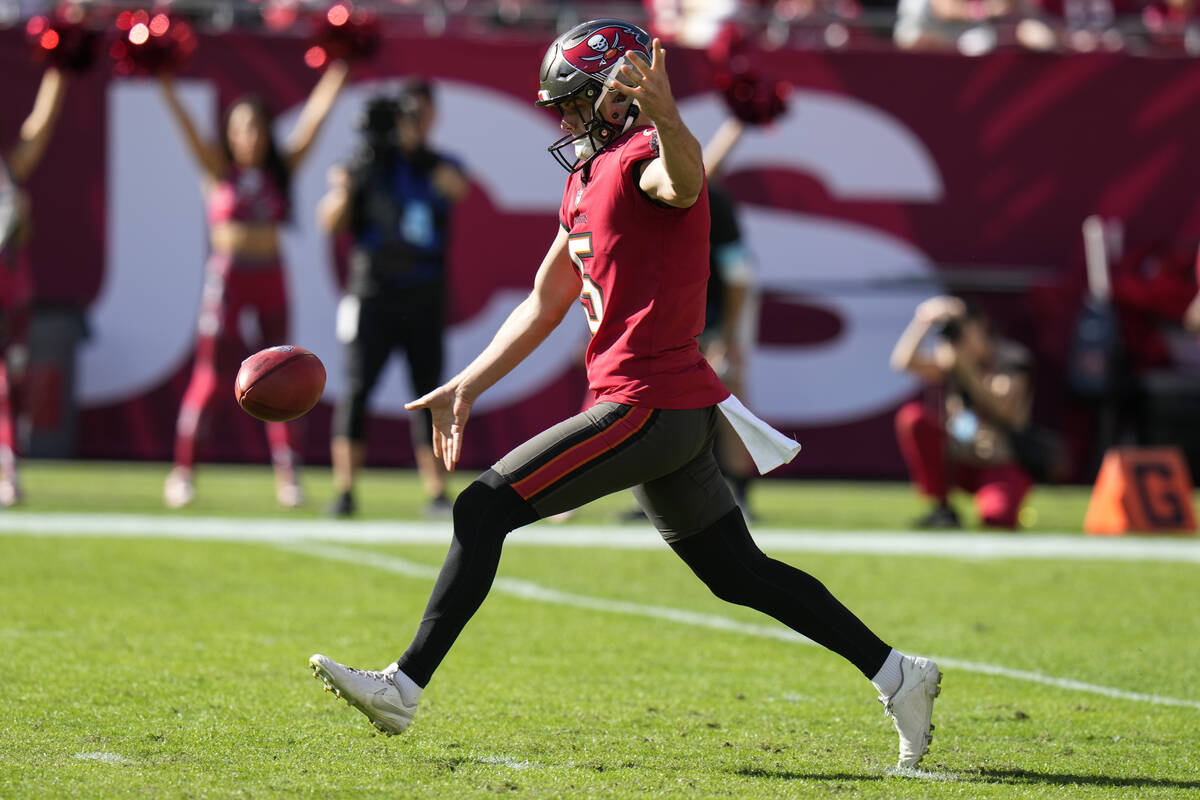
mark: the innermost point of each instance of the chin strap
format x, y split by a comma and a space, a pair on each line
614, 130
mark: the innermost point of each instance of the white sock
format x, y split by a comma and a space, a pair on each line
407, 686
888, 679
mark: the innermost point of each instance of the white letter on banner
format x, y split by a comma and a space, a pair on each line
857, 153
143, 323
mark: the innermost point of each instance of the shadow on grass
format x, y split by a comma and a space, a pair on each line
778, 774
1021, 776
1000, 776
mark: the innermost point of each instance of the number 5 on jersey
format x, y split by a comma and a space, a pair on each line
579, 245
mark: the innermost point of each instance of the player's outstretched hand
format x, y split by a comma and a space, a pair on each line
648, 84
450, 411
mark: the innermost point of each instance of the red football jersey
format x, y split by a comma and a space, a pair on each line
645, 274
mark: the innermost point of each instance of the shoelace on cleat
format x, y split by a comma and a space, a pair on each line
368, 673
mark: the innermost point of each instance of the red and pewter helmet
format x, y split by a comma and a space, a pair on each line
582, 63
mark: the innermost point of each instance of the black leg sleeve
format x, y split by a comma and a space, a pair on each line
731, 565
484, 513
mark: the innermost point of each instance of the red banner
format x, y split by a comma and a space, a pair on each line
892, 176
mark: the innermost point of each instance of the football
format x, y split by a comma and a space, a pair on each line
280, 383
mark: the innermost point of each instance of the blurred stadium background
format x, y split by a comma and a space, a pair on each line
950, 146
901, 171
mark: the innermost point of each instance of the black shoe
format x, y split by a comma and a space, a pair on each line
940, 518
342, 506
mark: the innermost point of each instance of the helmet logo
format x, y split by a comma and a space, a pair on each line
598, 52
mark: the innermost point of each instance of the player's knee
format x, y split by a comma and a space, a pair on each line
726, 559
728, 587
490, 507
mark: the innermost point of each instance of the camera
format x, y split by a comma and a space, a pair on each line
378, 121
951, 330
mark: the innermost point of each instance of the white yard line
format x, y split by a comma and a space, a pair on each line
945, 545
321, 538
535, 592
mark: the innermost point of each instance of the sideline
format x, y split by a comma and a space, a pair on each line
902, 543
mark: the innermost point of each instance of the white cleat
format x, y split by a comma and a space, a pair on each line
10, 492
373, 693
289, 495
178, 490
911, 708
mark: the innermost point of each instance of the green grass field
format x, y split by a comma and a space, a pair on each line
160, 666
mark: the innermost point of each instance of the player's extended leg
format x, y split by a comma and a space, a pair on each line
605, 449
484, 513
722, 553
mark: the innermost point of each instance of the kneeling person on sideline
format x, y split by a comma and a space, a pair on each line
987, 399
633, 250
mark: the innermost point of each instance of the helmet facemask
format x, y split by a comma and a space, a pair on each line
581, 68
597, 132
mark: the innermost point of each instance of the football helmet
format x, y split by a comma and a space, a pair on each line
583, 63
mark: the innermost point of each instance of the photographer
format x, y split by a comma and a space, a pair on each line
395, 200
972, 444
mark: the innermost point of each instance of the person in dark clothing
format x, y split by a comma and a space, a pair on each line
395, 199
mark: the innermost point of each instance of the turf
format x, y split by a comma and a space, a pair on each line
158, 668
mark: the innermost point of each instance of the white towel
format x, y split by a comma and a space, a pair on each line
768, 447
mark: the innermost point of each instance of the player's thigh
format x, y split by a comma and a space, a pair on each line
605, 449
688, 500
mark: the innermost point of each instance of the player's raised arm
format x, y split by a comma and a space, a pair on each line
676, 177
555, 288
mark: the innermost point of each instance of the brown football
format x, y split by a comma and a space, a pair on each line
280, 383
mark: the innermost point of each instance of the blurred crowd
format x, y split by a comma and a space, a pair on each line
971, 27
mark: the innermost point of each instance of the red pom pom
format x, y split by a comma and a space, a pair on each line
752, 98
343, 32
149, 44
64, 39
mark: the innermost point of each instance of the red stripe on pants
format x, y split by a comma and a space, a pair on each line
587, 450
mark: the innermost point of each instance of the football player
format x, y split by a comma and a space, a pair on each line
632, 249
